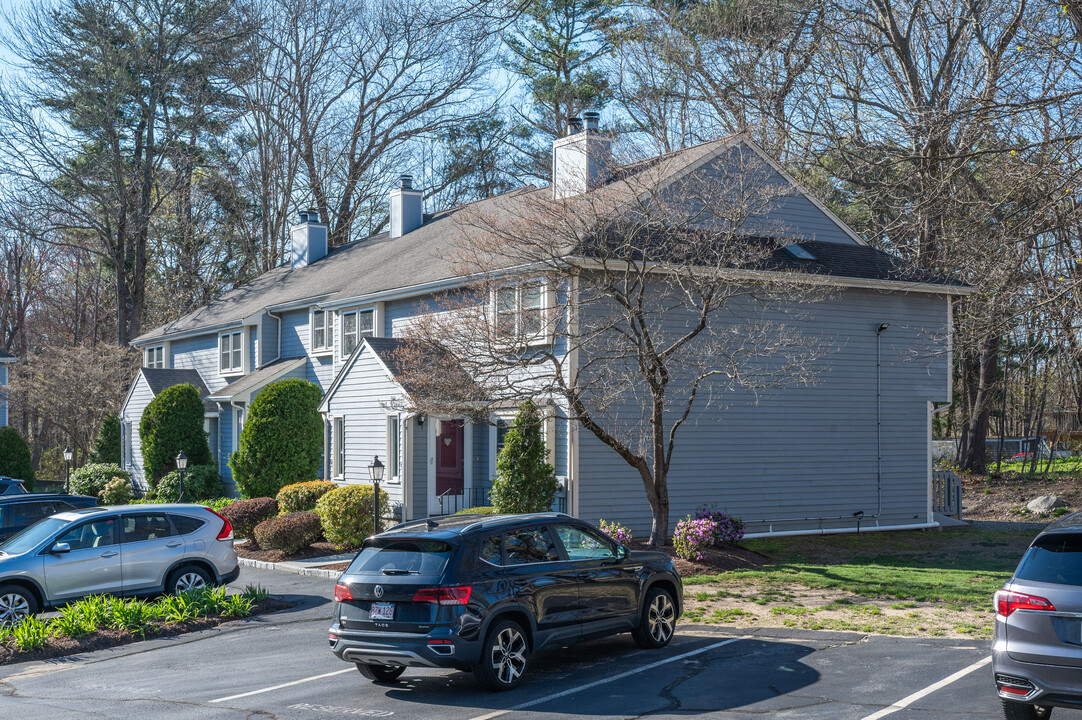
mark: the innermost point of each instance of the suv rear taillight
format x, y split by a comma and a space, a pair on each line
444, 595
341, 593
1007, 602
226, 533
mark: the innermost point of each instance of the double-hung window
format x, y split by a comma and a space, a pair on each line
155, 357
356, 324
339, 442
394, 460
322, 331
519, 312
230, 352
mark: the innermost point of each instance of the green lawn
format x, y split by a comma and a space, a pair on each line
962, 568
1066, 467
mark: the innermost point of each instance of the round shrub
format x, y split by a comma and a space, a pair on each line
173, 422
727, 529
290, 532
200, 482
481, 510
282, 439
691, 537
302, 496
107, 445
524, 482
91, 479
15, 457
116, 492
244, 515
346, 513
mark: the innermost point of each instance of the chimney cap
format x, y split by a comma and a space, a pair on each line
303, 216
574, 124
593, 119
313, 215
405, 181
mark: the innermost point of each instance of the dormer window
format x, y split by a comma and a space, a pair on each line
356, 324
154, 357
231, 353
322, 331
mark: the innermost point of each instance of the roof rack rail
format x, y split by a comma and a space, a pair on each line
515, 518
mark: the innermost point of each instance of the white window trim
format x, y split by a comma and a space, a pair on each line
395, 421
545, 336
342, 354
238, 424
156, 364
328, 331
338, 448
232, 369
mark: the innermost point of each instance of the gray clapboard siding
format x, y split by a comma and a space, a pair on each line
268, 334
199, 354
297, 342
800, 452
360, 400
419, 469
132, 413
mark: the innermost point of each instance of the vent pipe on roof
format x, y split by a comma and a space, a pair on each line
407, 211
582, 160
308, 240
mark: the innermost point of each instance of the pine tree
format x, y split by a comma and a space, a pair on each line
524, 482
107, 445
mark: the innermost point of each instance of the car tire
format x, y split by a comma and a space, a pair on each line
1013, 710
16, 604
504, 656
658, 621
186, 577
380, 673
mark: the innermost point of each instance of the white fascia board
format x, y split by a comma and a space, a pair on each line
207, 330
297, 304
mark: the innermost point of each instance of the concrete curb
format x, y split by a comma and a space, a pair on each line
290, 567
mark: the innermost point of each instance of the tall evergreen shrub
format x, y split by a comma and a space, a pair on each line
282, 439
107, 445
524, 481
15, 459
173, 422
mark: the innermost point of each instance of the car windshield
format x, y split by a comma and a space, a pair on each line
401, 557
1054, 558
32, 536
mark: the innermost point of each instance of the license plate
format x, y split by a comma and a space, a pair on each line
382, 611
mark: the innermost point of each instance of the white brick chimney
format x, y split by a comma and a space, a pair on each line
581, 160
308, 240
407, 212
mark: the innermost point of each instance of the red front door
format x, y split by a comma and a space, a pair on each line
449, 458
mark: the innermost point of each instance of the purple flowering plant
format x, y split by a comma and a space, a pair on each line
727, 528
692, 536
617, 532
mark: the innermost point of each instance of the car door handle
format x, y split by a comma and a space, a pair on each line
111, 553
175, 543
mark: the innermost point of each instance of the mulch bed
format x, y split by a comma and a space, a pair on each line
715, 560
319, 549
62, 646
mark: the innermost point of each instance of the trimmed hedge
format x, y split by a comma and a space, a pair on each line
282, 439
200, 482
15, 459
107, 445
302, 496
290, 532
346, 513
481, 510
244, 515
173, 422
91, 479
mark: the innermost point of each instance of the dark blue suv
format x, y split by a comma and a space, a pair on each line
484, 592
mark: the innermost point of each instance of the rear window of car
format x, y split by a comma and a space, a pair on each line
1055, 558
401, 557
185, 524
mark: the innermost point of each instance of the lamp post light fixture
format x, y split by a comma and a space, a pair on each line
182, 465
375, 471
68, 455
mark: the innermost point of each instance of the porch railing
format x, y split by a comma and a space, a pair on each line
452, 501
947, 493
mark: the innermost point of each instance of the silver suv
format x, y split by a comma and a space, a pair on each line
1037, 647
119, 550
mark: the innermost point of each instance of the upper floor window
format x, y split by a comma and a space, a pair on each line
356, 324
519, 312
155, 357
231, 352
322, 331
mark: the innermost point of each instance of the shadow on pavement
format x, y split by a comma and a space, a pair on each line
747, 672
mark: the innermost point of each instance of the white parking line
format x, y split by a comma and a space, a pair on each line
284, 685
621, 676
907, 701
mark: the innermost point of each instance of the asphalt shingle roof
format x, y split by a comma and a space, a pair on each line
159, 379
258, 378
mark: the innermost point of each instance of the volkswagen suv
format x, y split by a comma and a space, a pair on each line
1037, 645
484, 592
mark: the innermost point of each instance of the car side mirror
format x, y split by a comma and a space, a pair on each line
621, 552
60, 549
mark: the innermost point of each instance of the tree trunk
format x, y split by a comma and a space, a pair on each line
974, 459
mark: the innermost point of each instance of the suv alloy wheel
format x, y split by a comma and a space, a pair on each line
504, 658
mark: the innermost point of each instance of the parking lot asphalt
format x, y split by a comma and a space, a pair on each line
280, 666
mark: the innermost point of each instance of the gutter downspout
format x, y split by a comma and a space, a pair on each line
839, 531
278, 318
879, 419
